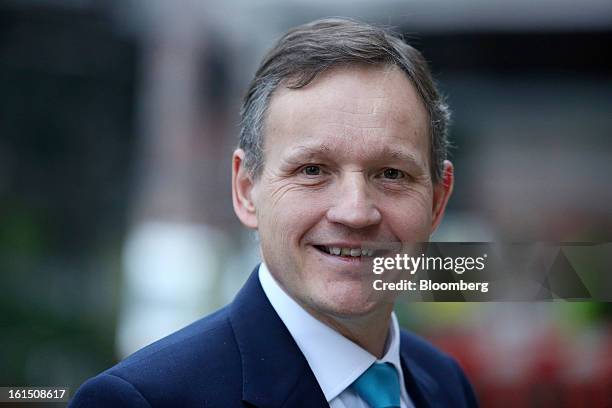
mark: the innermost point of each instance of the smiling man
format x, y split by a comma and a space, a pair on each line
342, 157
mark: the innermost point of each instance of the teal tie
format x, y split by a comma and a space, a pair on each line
379, 386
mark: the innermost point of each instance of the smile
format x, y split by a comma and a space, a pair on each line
346, 252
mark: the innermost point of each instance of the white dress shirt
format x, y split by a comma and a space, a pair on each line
335, 360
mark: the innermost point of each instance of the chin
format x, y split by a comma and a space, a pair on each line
351, 311
351, 303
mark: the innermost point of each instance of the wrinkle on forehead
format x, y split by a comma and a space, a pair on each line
360, 103
383, 85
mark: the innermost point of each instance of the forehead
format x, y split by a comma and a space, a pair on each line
345, 106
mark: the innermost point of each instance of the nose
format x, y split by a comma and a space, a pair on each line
353, 205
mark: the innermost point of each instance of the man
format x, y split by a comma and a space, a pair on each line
342, 157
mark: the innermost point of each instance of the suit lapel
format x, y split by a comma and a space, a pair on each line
420, 386
275, 373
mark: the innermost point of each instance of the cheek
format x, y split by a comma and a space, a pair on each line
286, 216
411, 218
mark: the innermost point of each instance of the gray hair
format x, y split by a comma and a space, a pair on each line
309, 49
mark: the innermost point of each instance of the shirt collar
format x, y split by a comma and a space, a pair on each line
335, 360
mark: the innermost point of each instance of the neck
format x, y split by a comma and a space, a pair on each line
369, 331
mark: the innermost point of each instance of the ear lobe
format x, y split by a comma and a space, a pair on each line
441, 193
242, 191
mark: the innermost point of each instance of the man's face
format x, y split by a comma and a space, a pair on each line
346, 166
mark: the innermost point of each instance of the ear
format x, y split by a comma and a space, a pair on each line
441, 193
242, 189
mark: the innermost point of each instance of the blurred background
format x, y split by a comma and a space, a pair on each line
117, 123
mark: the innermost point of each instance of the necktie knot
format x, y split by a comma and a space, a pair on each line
379, 386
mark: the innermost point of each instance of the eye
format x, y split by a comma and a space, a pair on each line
393, 174
311, 170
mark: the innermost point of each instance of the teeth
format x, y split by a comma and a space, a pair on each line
355, 252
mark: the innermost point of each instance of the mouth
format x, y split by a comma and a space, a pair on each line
348, 253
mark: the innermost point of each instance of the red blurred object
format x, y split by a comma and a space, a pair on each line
549, 370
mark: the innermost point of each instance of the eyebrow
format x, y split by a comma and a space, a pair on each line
300, 153
402, 156
306, 152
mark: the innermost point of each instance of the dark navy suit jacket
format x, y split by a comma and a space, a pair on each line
243, 355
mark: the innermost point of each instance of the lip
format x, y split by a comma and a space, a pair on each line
343, 260
345, 244
379, 249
